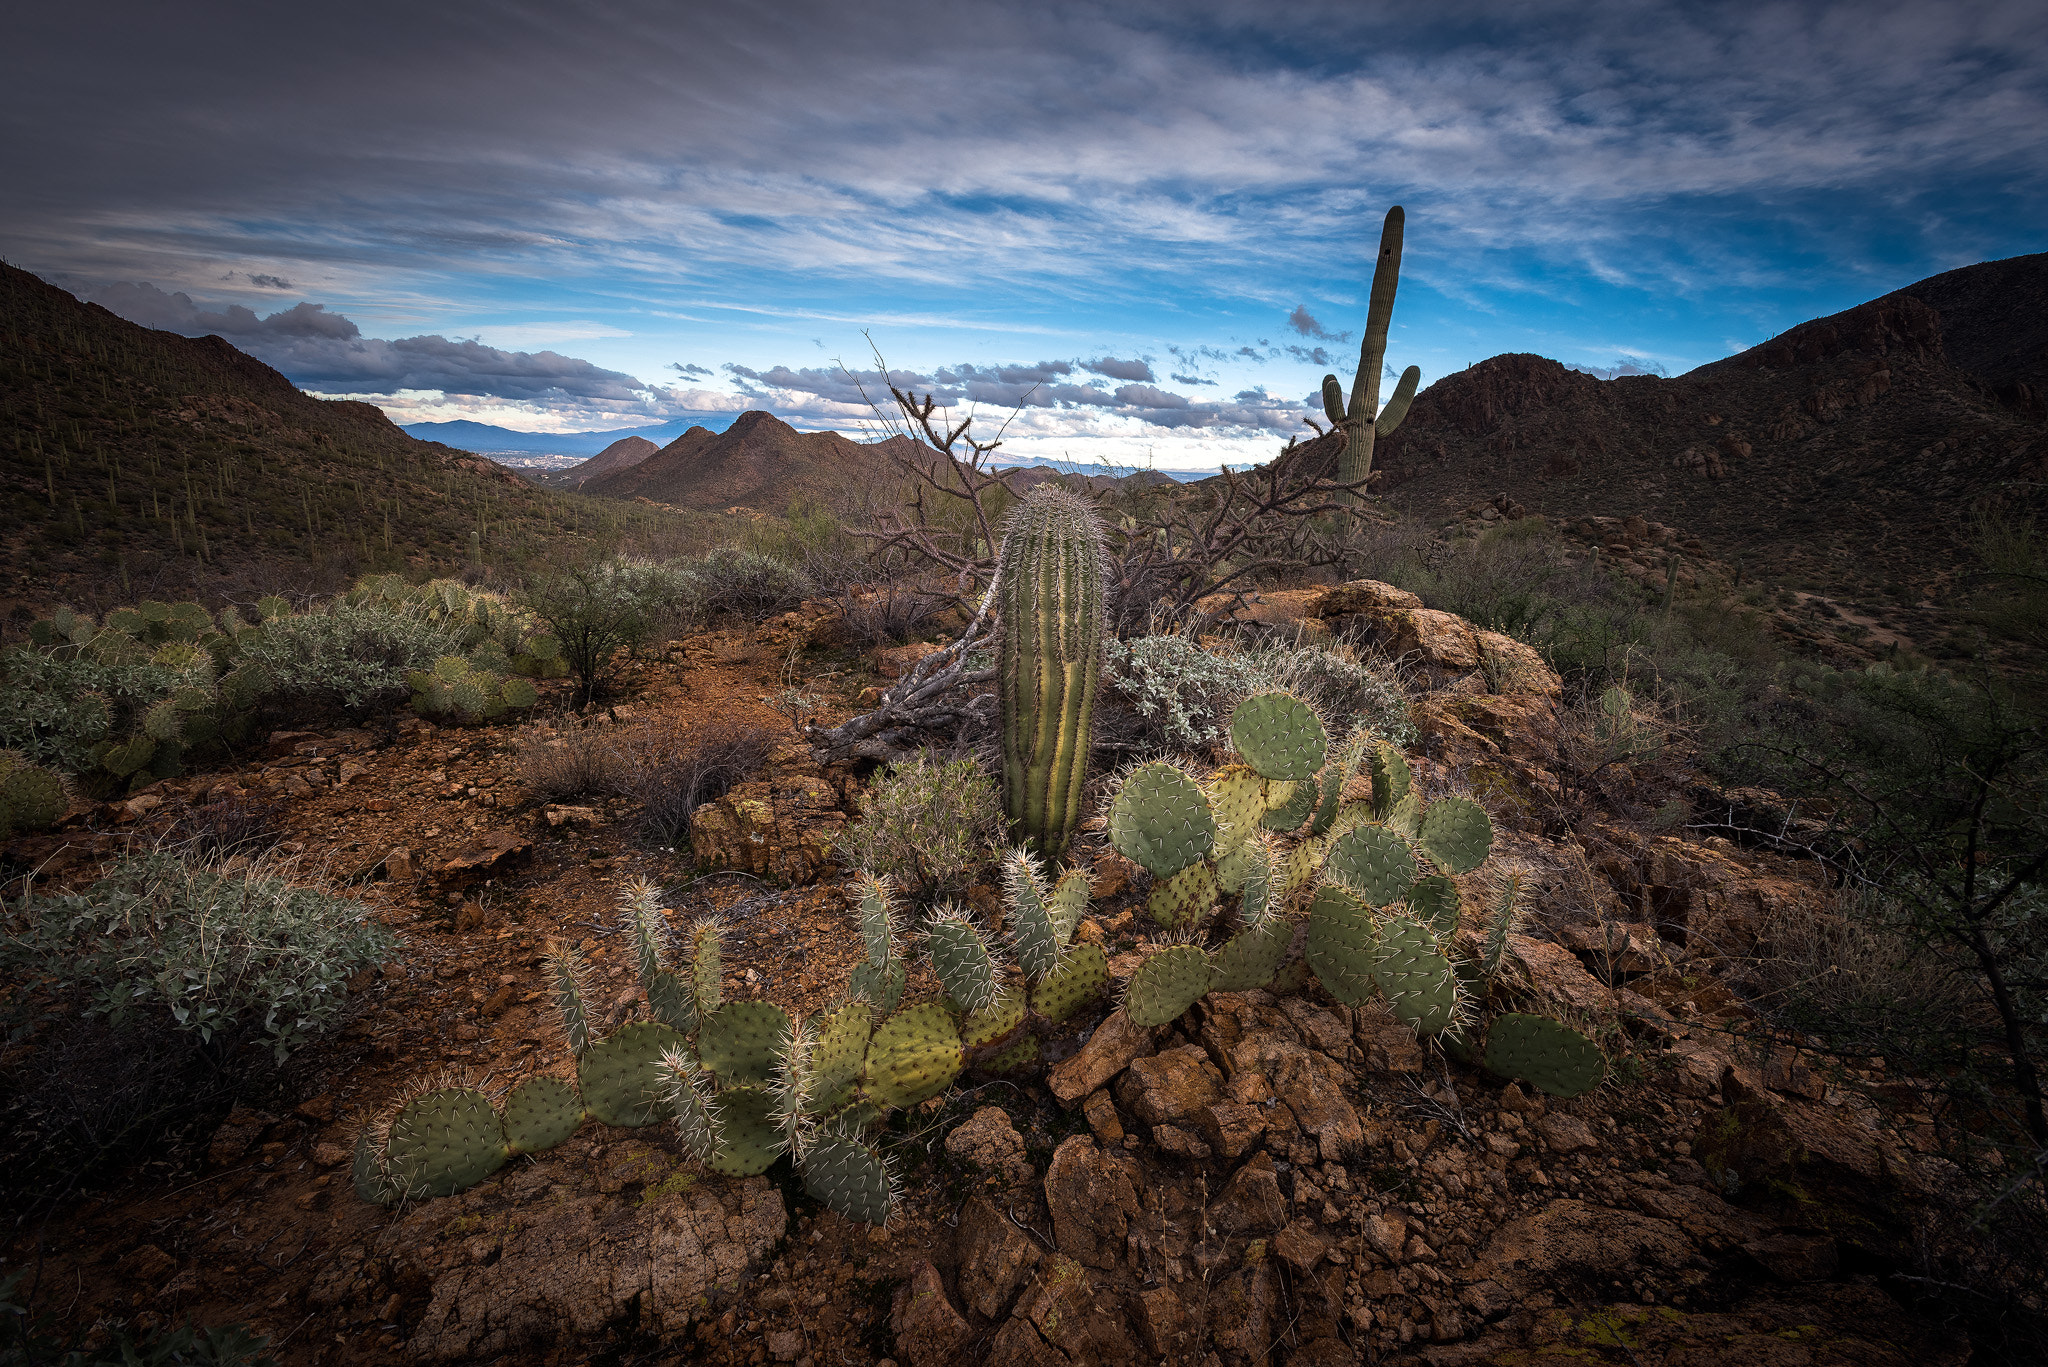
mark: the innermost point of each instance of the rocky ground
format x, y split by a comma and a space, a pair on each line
1270, 1179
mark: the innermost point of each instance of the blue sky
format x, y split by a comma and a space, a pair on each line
555, 218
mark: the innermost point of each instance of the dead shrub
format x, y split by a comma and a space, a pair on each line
889, 614
572, 761
228, 825
672, 770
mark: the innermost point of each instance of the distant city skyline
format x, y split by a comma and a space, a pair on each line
1151, 224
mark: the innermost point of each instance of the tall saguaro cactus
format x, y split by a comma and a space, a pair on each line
1363, 420
1049, 592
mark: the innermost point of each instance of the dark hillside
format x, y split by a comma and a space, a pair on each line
137, 463
1848, 455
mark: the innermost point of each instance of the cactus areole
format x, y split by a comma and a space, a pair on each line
1049, 595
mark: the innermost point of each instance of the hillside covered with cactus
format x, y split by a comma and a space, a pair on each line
143, 464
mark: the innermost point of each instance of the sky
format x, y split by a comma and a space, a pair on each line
1151, 225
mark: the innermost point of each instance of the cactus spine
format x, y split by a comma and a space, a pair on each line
1049, 593
1363, 420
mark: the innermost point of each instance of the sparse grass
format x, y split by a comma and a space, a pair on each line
672, 770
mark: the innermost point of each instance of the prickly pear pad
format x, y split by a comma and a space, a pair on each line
739, 1041
1161, 820
617, 1075
1434, 901
668, 998
1185, 898
1251, 959
1237, 799
1032, 932
1067, 903
1341, 940
840, 1052
1082, 978
1457, 832
1539, 1050
370, 1173
1390, 778
749, 1142
1420, 985
540, 1113
1166, 985
881, 987
1013, 1056
1405, 817
1288, 805
915, 1055
850, 1177
961, 959
996, 1021
444, 1142
1279, 735
1373, 862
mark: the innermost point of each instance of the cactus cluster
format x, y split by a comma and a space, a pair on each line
1362, 420
31, 797
495, 636
1377, 877
456, 688
1048, 592
203, 688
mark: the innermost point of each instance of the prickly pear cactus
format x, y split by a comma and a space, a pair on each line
1434, 901
914, 1055
1457, 833
739, 1041
749, 1141
444, 1141
540, 1113
1372, 862
1185, 898
1252, 958
1081, 977
1280, 736
851, 1178
1538, 1050
961, 958
1419, 983
618, 1076
840, 1053
1161, 820
1342, 941
1167, 984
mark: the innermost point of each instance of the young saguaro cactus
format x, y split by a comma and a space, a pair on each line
1363, 420
1049, 591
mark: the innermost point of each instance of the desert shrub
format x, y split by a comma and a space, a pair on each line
671, 771
1183, 694
599, 608
732, 579
889, 613
54, 708
929, 824
574, 761
220, 954
350, 657
226, 826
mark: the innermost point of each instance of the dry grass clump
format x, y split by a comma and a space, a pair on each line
672, 770
574, 761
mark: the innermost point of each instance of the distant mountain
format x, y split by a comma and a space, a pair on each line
140, 463
758, 462
1849, 455
620, 454
485, 437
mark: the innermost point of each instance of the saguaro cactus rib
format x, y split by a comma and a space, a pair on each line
1049, 593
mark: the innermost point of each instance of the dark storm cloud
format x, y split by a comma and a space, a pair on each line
1310, 355
673, 146
694, 371
325, 351
1179, 378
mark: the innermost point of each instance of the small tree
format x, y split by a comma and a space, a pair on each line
1939, 791
595, 611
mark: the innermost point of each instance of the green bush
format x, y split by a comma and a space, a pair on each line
218, 953
1183, 693
351, 656
596, 609
928, 825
